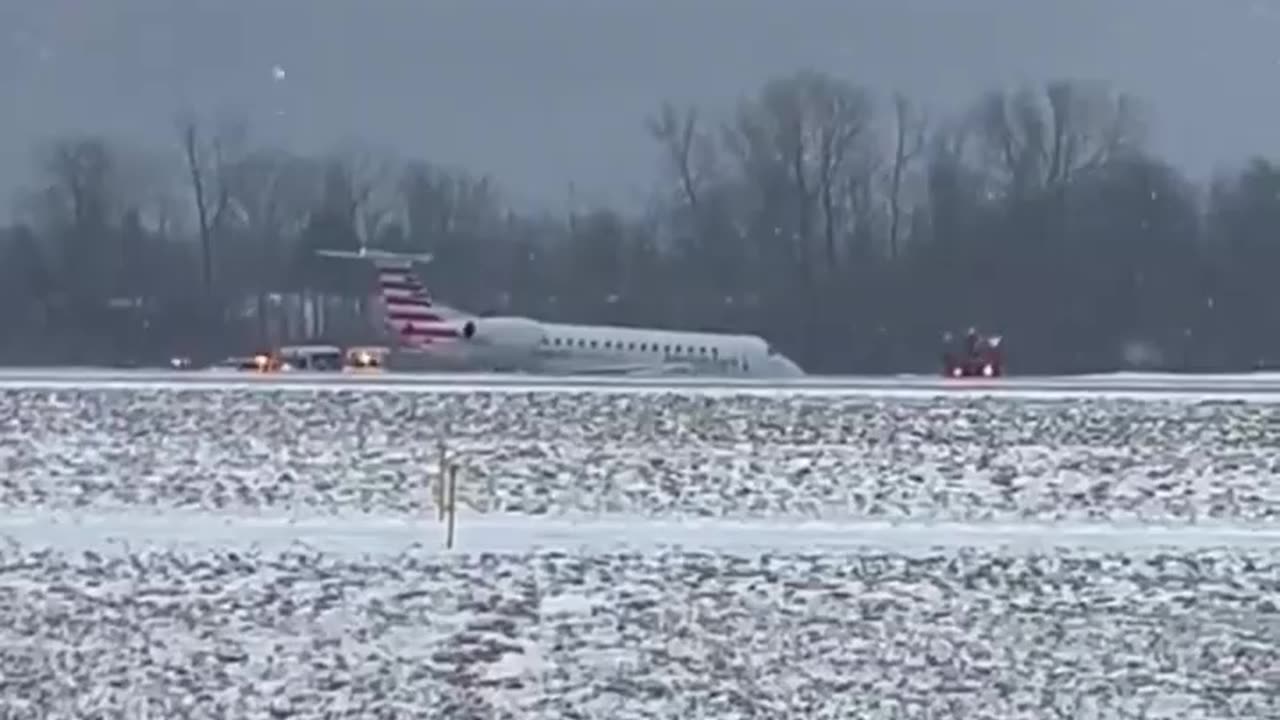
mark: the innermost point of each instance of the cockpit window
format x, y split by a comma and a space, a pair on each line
772, 350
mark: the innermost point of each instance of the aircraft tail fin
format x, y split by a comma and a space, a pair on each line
411, 315
414, 320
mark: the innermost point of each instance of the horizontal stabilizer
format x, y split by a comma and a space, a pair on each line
376, 255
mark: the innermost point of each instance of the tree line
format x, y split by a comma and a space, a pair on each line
851, 230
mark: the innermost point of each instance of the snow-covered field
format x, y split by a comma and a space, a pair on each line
251, 553
565, 634
653, 455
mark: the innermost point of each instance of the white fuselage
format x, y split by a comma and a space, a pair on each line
524, 345
602, 348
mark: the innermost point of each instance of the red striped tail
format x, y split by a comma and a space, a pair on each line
411, 316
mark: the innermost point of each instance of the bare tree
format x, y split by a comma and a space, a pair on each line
207, 157
686, 150
367, 178
695, 219
272, 193
77, 208
805, 130
843, 117
463, 220
908, 143
80, 189
804, 149
443, 203
1043, 140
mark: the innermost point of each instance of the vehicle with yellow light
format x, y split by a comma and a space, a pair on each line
306, 358
366, 359
261, 362
312, 358
291, 358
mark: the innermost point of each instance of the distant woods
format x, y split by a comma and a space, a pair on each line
850, 229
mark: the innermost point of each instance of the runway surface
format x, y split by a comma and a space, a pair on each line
1252, 386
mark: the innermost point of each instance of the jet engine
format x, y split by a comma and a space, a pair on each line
507, 334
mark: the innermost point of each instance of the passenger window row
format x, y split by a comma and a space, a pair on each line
632, 346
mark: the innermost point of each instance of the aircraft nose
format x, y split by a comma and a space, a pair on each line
788, 368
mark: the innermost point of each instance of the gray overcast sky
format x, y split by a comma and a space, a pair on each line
544, 92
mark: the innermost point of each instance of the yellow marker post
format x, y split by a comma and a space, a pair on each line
443, 478
453, 506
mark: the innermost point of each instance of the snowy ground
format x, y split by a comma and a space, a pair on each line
659, 634
652, 455
264, 554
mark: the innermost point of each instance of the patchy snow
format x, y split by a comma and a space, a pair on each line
250, 552
664, 633
672, 456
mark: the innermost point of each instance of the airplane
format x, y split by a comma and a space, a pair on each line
445, 337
